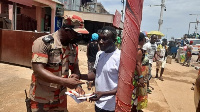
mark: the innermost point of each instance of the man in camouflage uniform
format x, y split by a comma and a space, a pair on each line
53, 56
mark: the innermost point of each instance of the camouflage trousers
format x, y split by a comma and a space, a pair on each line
55, 106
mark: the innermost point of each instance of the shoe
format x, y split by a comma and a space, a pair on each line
156, 76
161, 79
149, 91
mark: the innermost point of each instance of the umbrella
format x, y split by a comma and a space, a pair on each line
158, 33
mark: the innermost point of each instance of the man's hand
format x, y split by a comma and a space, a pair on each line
71, 82
74, 76
98, 94
80, 90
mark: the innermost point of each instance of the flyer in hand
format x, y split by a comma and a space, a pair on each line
77, 97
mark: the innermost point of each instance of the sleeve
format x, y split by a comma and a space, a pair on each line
39, 51
145, 46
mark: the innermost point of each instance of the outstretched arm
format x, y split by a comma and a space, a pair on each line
47, 76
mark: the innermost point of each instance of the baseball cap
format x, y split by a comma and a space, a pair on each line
74, 22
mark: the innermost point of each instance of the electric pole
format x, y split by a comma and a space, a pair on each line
163, 8
95, 6
197, 21
160, 22
122, 1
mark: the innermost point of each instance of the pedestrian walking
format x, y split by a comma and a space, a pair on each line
188, 54
150, 48
161, 57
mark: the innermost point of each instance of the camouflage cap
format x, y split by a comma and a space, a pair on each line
76, 23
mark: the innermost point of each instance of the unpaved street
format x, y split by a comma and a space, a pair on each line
173, 94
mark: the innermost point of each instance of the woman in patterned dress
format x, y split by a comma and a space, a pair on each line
139, 97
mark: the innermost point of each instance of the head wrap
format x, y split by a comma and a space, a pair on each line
95, 36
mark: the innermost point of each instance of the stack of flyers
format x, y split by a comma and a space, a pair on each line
77, 97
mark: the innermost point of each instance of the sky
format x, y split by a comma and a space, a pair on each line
176, 18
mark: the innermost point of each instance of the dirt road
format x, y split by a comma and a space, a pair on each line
173, 94
176, 86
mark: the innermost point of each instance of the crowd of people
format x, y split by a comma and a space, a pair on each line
55, 54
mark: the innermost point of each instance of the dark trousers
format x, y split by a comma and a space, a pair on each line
97, 109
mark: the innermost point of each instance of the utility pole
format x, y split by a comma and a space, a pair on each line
122, 1
197, 21
160, 22
189, 27
95, 6
163, 8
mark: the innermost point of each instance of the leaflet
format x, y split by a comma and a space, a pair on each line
77, 97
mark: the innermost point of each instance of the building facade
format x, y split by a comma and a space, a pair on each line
32, 15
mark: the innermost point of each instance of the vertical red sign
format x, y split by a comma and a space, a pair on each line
117, 19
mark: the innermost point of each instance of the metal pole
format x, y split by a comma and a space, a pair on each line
95, 6
160, 22
14, 16
122, 9
196, 27
189, 29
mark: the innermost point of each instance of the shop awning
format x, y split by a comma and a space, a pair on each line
107, 18
23, 2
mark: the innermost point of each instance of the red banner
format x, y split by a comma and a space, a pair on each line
133, 17
117, 19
